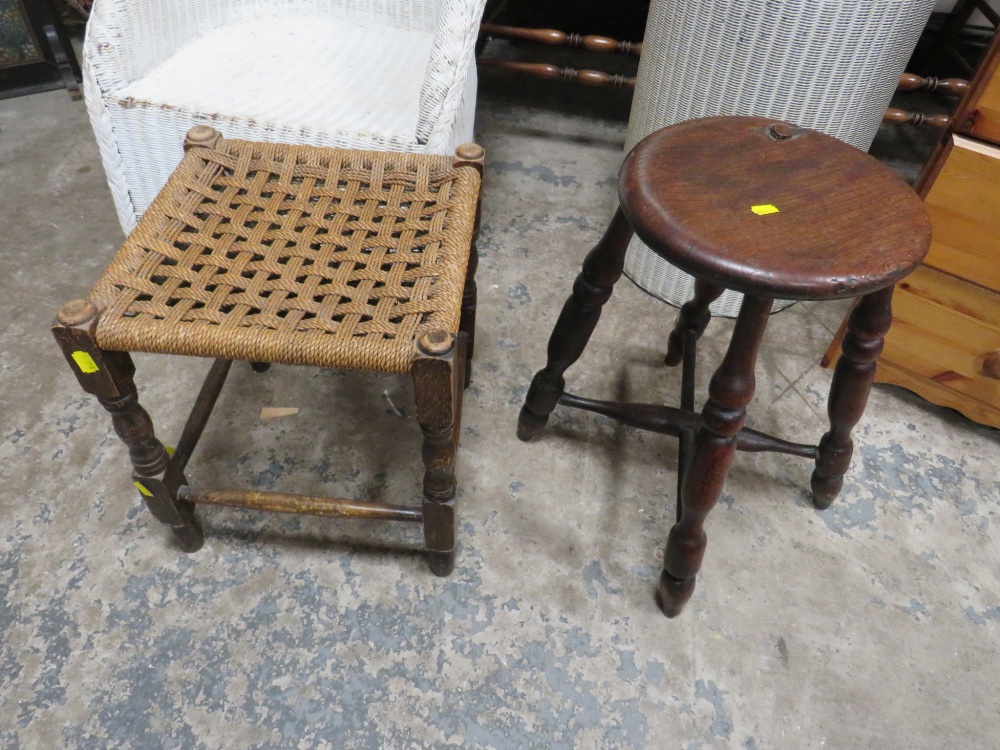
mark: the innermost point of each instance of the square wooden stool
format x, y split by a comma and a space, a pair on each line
301, 255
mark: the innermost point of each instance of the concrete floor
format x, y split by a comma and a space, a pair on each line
872, 625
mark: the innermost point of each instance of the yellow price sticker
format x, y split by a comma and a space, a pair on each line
142, 488
85, 362
764, 209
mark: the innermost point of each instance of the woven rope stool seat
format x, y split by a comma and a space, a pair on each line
770, 210
299, 255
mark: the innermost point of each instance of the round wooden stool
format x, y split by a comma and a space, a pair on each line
770, 210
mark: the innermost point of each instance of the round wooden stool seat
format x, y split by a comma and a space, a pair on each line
766, 208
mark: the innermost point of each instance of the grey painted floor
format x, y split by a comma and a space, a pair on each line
872, 625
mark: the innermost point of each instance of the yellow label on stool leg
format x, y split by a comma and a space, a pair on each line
764, 209
85, 362
142, 488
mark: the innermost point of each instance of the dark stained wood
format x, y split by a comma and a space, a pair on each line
852, 380
562, 39
694, 318
836, 198
109, 377
276, 502
668, 420
601, 269
200, 412
474, 155
260, 367
435, 386
556, 73
846, 225
903, 117
950, 86
715, 444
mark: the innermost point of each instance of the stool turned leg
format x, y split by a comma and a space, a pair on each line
729, 393
852, 382
434, 373
601, 269
471, 154
108, 375
694, 316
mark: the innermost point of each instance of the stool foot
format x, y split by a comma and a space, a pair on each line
593, 286
673, 593
260, 366
190, 538
694, 316
852, 382
441, 563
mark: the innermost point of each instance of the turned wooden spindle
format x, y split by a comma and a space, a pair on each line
723, 415
592, 289
562, 39
108, 376
902, 117
694, 318
556, 73
434, 381
950, 86
471, 154
852, 382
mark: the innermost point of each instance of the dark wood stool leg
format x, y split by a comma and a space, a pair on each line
852, 382
467, 325
729, 393
601, 269
694, 317
109, 376
471, 154
435, 371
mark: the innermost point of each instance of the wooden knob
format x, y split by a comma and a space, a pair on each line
77, 312
989, 364
436, 342
204, 136
781, 131
470, 152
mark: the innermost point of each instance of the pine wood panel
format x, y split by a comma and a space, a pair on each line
964, 204
942, 331
985, 121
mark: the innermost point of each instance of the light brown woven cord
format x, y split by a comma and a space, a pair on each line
295, 254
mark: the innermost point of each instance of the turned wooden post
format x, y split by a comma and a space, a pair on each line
108, 376
852, 381
730, 391
589, 42
434, 381
556, 73
601, 269
471, 154
693, 317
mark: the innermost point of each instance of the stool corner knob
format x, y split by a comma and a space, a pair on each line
76, 313
470, 153
204, 136
436, 342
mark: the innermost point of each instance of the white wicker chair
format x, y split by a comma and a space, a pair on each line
395, 75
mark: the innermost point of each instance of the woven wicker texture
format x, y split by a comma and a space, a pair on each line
831, 65
294, 254
263, 70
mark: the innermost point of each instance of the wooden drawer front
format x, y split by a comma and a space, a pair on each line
964, 204
944, 330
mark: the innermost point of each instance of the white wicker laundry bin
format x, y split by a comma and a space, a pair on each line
831, 65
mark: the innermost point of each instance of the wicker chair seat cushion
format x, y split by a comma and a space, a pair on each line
243, 71
294, 254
